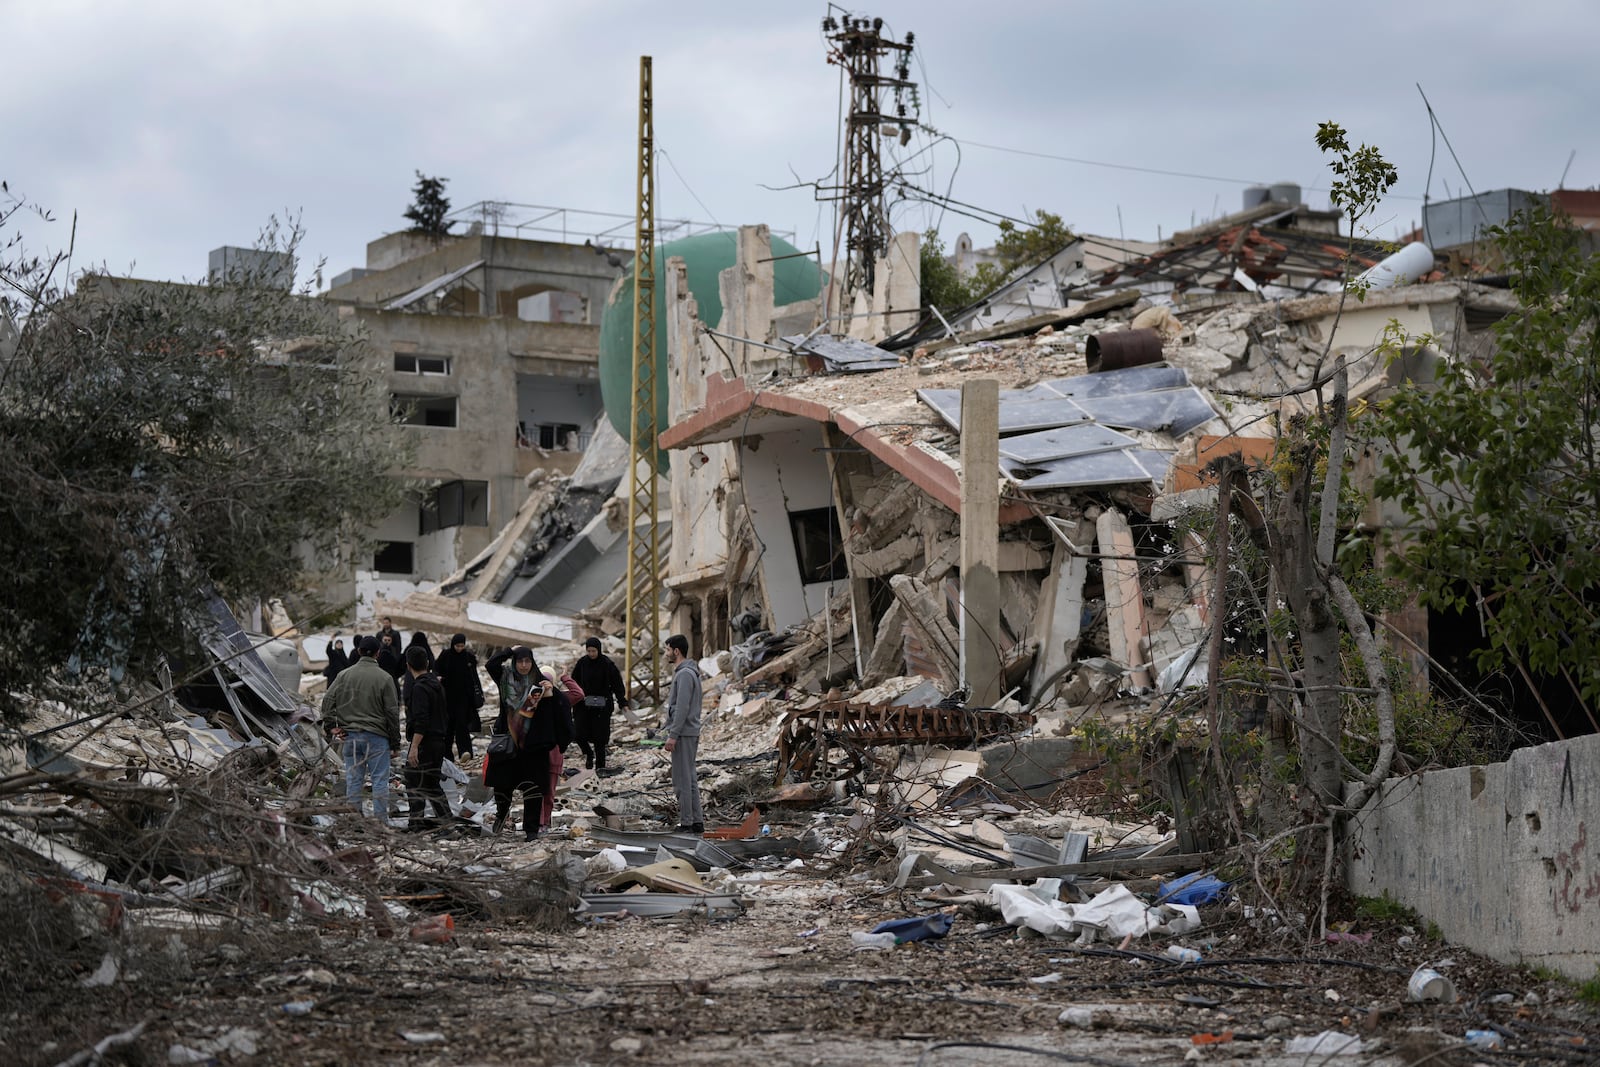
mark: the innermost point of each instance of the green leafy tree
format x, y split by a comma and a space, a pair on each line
943, 287
1305, 520
167, 439
1493, 465
1292, 519
1028, 246
1017, 248
429, 206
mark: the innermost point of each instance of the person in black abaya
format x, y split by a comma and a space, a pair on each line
535, 712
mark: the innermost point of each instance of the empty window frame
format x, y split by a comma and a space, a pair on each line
818, 548
558, 436
454, 504
423, 410
394, 557
409, 363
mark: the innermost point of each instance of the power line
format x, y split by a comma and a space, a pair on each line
1437, 125
1136, 168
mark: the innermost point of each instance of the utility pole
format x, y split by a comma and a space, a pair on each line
858, 45
643, 652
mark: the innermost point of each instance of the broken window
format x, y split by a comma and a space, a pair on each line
424, 410
394, 557
457, 503
406, 363
818, 547
562, 436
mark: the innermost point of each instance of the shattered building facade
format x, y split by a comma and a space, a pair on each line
491, 346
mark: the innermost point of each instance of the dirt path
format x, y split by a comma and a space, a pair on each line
754, 990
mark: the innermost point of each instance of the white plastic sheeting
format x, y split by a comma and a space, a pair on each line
1111, 915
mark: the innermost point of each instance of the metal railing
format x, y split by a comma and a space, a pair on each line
609, 229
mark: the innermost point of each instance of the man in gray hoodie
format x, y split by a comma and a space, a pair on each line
683, 733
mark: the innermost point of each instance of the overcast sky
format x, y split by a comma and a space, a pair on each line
172, 128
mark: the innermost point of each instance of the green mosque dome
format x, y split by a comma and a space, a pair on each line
706, 255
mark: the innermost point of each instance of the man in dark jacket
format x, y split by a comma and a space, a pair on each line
457, 668
361, 711
427, 725
396, 638
389, 657
597, 675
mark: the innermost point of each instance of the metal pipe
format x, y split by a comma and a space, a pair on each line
1123, 348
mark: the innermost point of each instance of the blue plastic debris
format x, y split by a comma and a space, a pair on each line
918, 928
1192, 889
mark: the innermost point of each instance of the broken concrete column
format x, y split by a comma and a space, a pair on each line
980, 540
896, 297
686, 367
746, 290
888, 651
1061, 608
841, 465
1124, 595
925, 611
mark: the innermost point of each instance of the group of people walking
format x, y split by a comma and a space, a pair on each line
540, 714
456, 667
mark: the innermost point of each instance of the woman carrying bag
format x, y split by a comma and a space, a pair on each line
534, 719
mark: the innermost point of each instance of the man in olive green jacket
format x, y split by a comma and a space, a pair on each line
362, 710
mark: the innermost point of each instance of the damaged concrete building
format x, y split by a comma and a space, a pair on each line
491, 346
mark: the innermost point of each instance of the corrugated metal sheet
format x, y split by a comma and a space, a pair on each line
432, 287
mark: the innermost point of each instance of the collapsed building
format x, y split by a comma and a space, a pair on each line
816, 480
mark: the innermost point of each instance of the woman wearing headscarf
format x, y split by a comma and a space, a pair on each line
420, 640
457, 668
558, 756
534, 711
338, 660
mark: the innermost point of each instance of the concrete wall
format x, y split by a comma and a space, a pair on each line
1501, 857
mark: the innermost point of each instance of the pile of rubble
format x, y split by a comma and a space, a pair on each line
872, 827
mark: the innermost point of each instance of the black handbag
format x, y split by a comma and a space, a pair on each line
502, 746
477, 690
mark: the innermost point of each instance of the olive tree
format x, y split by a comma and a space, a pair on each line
165, 439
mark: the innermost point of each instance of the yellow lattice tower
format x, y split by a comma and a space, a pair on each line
643, 656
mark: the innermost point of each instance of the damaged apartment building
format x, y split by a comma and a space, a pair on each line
491, 346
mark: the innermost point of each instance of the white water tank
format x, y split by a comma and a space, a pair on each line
1402, 268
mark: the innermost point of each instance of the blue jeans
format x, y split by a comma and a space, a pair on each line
367, 754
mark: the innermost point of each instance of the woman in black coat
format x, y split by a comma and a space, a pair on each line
535, 712
457, 668
337, 659
420, 640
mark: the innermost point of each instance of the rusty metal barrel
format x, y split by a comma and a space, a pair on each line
1122, 348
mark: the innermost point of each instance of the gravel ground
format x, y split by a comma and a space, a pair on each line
754, 989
